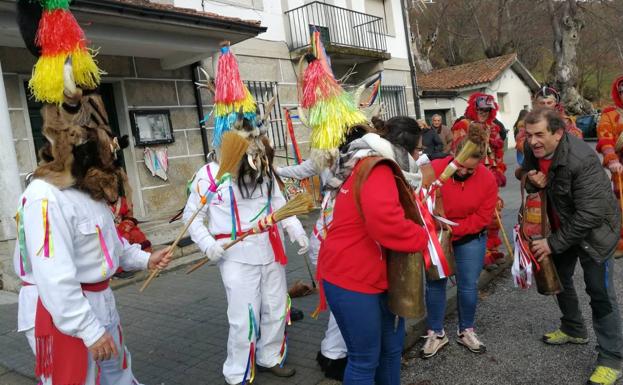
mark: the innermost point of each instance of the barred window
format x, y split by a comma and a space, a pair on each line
263, 91
394, 101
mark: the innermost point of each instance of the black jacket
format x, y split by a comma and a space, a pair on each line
432, 144
579, 191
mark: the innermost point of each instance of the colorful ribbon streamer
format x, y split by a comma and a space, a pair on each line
48, 244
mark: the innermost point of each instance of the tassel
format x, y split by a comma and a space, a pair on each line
230, 96
59, 36
332, 111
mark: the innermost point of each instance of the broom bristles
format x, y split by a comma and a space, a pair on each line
302, 203
233, 148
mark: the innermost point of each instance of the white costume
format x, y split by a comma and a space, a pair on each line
254, 282
332, 345
83, 248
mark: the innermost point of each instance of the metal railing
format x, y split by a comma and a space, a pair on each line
338, 27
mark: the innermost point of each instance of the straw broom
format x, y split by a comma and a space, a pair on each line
234, 147
301, 204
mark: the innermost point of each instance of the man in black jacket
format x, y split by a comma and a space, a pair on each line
585, 223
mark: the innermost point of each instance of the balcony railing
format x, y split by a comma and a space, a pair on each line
339, 27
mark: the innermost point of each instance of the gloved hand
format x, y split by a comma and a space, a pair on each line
303, 241
215, 252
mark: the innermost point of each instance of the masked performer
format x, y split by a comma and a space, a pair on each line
610, 144
546, 97
68, 245
253, 271
481, 108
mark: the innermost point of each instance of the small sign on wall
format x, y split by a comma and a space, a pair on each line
151, 127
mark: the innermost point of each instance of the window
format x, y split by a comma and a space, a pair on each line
394, 101
382, 9
262, 92
502, 101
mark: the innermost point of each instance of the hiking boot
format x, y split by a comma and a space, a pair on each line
469, 339
558, 337
604, 375
434, 343
277, 370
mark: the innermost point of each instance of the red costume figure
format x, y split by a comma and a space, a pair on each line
127, 225
546, 97
610, 144
481, 108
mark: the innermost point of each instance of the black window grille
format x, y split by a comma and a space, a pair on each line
263, 91
394, 101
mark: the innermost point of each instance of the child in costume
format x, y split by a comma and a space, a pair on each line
253, 271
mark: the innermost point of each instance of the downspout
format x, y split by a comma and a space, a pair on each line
199, 103
414, 88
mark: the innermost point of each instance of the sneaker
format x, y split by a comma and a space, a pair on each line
558, 337
604, 375
469, 339
434, 343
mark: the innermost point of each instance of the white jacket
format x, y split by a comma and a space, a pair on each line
76, 254
255, 249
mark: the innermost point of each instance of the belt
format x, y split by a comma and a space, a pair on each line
92, 287
468, 238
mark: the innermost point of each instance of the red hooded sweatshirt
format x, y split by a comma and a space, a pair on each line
351, 256
469, 203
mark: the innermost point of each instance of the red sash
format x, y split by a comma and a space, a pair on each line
61, 357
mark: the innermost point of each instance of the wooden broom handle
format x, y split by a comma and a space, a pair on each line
157, 271
205, 260
507, 243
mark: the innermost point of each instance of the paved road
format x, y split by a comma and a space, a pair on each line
177, 333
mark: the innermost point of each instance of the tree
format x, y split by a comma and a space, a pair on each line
567, 22
422, 47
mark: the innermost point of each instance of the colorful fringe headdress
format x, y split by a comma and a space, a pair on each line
60, 37
331, 110
231, 96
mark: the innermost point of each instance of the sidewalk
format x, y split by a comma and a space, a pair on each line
177, 329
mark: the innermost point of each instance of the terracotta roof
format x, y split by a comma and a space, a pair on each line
465, 75
148, 5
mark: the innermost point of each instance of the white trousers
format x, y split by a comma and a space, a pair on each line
111, 371
332, 345
261, 288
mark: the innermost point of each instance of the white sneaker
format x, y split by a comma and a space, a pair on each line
434, 343
469, 339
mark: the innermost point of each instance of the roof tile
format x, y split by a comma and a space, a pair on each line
465, 75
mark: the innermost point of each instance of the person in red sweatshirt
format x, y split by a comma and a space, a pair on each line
352, 265
469, 198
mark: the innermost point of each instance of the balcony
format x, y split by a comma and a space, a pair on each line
348, 36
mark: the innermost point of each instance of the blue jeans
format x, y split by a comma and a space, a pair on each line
374, 345
469, 261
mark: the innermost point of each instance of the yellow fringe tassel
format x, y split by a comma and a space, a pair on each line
86, 73
46, 83
247, 104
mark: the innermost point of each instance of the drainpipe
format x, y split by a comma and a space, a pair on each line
414, 88
199, 102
